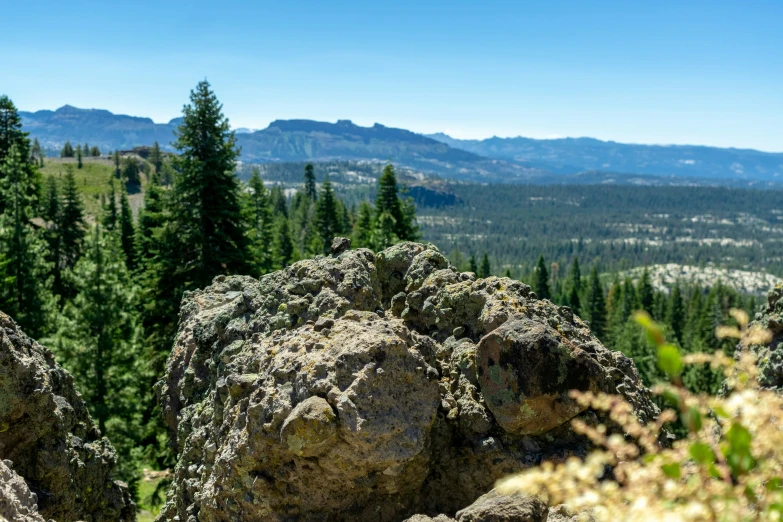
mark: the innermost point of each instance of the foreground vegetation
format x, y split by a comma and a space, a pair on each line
727, 466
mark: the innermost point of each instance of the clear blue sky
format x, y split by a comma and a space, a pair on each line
706, 72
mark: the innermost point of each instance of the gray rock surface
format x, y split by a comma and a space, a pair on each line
350, 387
771, 357
17, 502
47, 433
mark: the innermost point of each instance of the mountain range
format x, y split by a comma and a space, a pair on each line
516, 160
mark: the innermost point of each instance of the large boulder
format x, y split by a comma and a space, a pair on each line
355, 387
48, 436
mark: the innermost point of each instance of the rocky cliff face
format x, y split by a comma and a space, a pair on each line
372, 387
49, 440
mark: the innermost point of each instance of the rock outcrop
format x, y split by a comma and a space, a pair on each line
48, 436
372, 387
17, 502
770, 356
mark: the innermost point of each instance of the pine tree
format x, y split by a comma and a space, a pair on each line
394, 221
645, 292
156, 157
95, 152
11, 134
151, 219
484, 268
206, 197
79, 157
127, 234
472, 264
575, 287
71, 230
326, 215
283, 245
675, 314
26, 292
262, 230
362, 230
279, 202
541, 285
110, 216
86, 149
117, 164
37, 154
309, 182
98, 341
67, 150
596, 306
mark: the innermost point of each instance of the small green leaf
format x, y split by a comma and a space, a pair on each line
669, 360
739, 437
720, 412
651, 328
702, 453
692, 419
672, 470
774, 484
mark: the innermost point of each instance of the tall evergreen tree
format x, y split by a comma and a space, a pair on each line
127, 234
37, 154
151, 220
262, 229
98, 342
675, 314
541, 284
117, 164
71, 229
95, 152
79, 157
575, 287
110, 214
394, 221
485, 268
362, 231
327, 215
279, 202
645, 292
156, 157
206, 197
283, 245
596, 305
309, 182
26, 292
472, 264
67, 150
11, 134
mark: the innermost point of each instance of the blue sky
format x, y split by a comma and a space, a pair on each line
645, 72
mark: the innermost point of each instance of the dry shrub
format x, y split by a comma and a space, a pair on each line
728, 468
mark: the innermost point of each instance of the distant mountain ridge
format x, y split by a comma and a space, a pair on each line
510, 160
283, 140
572, 155
99, 127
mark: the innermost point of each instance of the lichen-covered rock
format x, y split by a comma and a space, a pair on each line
17, 502
350, 387
526, 370
47, 433
771, 356
496, 507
